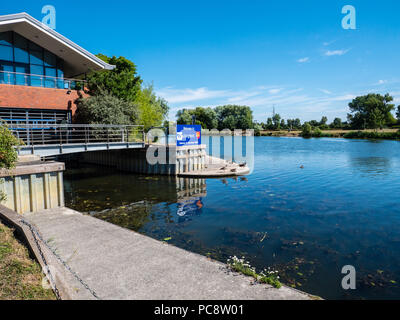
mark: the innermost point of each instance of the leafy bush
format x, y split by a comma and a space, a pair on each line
307, 131
106, 109
317, 133
8, 154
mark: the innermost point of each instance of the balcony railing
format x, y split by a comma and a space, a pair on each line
64, 134
35, 80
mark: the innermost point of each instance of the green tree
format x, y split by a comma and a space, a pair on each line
276, 119
121, 82
297, 123
106, 109
206, 117
337, 123
371, 111
257, 129
307, 130
184, 116
234, 117
398, 113
270, 124
8, 154
290, 124
152, 109
323, 121
124, 83
283, 124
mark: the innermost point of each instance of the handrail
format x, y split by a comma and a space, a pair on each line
30, 80
42, 75
62, 134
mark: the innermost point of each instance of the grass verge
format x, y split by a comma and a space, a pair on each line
20, 276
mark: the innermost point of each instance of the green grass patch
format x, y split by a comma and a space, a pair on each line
20, 276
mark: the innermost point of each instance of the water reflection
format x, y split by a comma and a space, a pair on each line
372, 165
128, 199
190, 194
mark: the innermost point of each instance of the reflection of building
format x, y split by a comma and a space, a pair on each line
190, 194
40, 72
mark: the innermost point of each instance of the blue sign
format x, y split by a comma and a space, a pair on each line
188, 135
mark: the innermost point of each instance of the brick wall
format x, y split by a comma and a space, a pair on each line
12, 96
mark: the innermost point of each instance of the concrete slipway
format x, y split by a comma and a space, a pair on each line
115, 263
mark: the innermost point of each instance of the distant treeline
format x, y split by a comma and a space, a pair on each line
372, 111
224, 117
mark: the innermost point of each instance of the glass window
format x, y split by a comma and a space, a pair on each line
6, 38
37, 57
20, 42
6, 75
34, 47
60, 81
18, 54
6, 53
50, 59
21, 55
21, 79
51, 80
37, 70
37, 81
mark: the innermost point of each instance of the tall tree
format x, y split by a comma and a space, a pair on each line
234, 117
323, 121
337, 123
151, 108
371, 111
297, 123
122, 82
206, 117
270, 124
277, 121
398, 113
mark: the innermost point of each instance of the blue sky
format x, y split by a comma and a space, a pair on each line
291, 54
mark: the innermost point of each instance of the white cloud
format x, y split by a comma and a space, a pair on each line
344, 97
330, 53
303, 60
325, 91
187, 95
328, 43
275, 91
380, 82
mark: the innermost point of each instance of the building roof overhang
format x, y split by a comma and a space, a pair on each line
77, 60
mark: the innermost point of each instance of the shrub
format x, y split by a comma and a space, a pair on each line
307, 130
317, 133
8, 154
106, 109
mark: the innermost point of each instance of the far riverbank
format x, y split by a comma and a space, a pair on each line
386, 134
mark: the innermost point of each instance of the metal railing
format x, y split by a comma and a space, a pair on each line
35, 80
63, 134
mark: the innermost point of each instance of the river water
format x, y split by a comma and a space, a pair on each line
310, 207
